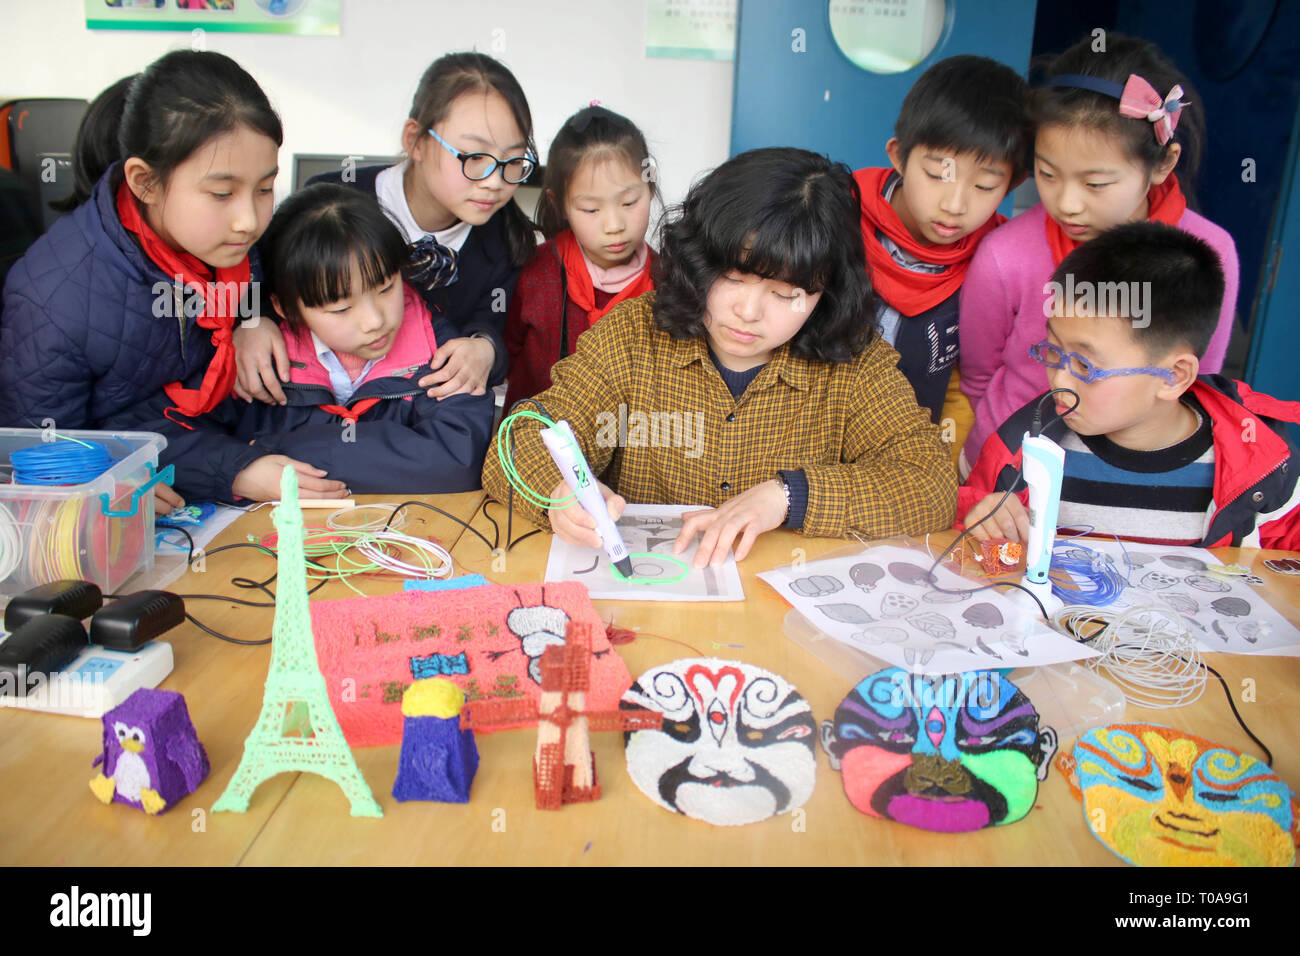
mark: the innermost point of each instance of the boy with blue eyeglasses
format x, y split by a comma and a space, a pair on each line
1154, 451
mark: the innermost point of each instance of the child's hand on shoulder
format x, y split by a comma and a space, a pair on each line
571, 522
749, 514
262, 361
460, 365
260, 481
1011, 521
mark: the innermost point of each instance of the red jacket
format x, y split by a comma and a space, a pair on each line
533, 340
1256, 466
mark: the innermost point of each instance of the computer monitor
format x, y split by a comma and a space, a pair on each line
307, 165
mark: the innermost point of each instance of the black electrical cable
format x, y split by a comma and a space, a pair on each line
247, 584
1268, 754
1035, 429
466, 525
497, 528
1240, 721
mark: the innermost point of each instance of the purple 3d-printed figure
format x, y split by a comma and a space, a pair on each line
438, 758
152, 756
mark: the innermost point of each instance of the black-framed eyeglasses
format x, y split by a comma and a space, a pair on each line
481, 166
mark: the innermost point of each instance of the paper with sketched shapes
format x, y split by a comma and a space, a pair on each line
646, 530
1224, 613
889, 616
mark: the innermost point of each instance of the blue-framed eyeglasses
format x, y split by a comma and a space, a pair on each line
480, 166
1054, 357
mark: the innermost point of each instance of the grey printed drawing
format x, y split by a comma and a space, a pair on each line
846, 613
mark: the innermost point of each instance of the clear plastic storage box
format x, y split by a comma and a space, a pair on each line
100, 531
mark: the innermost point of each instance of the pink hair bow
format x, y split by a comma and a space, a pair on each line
1141, 101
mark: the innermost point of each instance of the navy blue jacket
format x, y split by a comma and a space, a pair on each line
80, 344
927, 352
483, 267
420, 446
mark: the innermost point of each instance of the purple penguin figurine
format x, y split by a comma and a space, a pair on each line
152, 757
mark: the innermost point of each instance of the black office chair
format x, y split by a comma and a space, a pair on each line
36, 137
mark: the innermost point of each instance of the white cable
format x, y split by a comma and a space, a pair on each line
1146, 650
378, 524
373, 549
11, 543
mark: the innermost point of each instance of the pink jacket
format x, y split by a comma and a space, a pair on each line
412, 349
1002, 315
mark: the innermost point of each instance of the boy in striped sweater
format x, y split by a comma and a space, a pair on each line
1154, 451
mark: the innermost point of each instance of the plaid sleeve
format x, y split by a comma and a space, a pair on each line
583, 384
895, 475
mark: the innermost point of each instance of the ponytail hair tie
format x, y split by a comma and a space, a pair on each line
580, 120
1138, 99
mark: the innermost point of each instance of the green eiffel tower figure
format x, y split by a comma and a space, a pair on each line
297, 729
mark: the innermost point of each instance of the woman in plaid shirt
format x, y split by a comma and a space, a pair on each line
752, 381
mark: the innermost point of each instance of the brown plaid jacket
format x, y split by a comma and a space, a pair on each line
658, 425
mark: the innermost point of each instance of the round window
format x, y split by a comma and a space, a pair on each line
887, 36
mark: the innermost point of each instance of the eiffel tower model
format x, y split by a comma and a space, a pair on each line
297, 729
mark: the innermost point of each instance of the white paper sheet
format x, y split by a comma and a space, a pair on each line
1226, 615
646, 529
878, 601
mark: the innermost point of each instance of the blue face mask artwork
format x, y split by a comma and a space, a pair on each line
950, 752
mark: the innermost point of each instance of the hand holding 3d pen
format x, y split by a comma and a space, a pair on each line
592, 523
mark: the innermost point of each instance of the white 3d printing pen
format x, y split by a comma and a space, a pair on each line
1043, 465
563, 446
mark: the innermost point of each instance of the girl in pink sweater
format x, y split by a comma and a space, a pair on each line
1112, 125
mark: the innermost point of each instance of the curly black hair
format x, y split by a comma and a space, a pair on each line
784, 214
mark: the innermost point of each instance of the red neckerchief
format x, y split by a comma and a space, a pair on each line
219, 378
1165, 203
581, 289
911, 293
356, 411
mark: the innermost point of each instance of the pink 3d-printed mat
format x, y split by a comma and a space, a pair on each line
487, 639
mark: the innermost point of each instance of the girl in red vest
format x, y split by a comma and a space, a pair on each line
594, 212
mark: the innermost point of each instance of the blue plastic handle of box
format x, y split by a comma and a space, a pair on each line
165, 476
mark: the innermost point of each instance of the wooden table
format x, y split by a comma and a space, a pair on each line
47, 815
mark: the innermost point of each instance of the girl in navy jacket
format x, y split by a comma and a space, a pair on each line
358, 338
469, 144
120, 317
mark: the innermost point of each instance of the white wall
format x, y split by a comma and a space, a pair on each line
351, 93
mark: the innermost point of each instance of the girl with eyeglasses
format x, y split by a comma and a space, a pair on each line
469, 144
